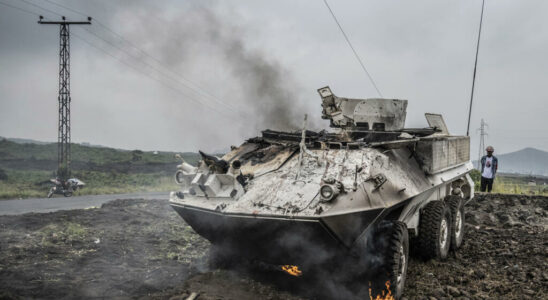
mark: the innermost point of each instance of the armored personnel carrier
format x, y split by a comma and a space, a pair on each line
353, 200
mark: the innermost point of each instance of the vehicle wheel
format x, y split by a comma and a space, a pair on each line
67, 194
387, 257
435, 230
457, 213
50, 193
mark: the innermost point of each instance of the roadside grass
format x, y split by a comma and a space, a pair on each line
505, 186
66, 232
510, 185
25, 169
35, 184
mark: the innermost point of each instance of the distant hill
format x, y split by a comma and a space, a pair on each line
528, 161
24, 141
26, 153
29, 155
31, 141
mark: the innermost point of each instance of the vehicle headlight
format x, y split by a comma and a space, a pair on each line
328, 192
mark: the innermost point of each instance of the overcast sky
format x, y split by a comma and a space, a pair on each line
258, 64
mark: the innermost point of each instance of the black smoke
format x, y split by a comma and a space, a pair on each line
249, 80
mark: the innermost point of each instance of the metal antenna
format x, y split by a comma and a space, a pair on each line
475, 67
352, 48
63, 140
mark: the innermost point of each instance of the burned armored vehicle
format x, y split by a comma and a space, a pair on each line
355, 199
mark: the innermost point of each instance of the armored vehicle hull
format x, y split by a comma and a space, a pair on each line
309, 198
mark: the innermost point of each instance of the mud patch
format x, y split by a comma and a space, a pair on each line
504, 255
126, 248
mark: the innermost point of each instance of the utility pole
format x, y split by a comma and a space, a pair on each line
63, 139
483, 133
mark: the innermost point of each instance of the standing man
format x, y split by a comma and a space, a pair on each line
489, 166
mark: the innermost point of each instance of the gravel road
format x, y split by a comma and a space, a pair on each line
43, 205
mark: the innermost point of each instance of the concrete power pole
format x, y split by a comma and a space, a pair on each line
63, 140
483, 133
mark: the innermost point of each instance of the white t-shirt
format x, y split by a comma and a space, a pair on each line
488, 169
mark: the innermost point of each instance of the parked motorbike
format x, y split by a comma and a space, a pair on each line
65, 188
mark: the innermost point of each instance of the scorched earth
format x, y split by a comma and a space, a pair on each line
143, 249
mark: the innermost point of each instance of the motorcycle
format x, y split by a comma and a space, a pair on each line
65, 188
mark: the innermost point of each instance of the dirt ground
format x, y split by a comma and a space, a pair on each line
143, 249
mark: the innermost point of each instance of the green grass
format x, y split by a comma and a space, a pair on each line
508, 184
25, 169
66, 231
30, 184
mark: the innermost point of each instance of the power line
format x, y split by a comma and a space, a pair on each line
43, 8
194, 87
146, 74
143, 73
152, 67
111, 44
352, 47
20, 9
69, 9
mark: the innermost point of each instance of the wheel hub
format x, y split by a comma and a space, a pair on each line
402, 263
458, 223
443, 233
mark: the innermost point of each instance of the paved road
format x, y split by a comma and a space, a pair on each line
42, 205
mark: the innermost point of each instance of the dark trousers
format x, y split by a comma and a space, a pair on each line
486, 183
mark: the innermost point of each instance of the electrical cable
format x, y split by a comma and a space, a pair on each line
19, 8
67, 8
111, 44
353, 50
45, 9
144, 73
147, 64
195, 87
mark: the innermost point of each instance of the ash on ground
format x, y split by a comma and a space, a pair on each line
143, 249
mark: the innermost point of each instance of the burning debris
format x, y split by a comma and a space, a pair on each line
292, 270
384, 295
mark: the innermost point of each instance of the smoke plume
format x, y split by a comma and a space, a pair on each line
250, 81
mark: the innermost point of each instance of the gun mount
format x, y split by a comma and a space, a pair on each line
363, 114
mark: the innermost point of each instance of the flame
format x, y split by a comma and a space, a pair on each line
292, 270
384, 295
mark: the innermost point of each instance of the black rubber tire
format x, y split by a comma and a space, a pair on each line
456, 204
430, 229
390, 243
